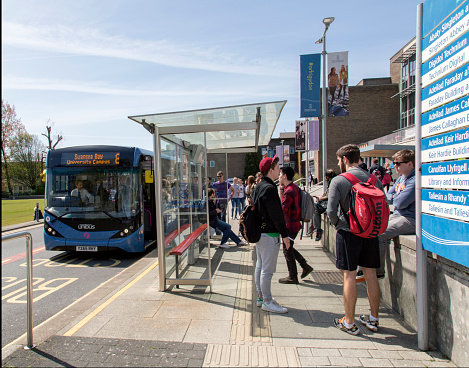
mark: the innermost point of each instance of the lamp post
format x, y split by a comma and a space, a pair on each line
327, 22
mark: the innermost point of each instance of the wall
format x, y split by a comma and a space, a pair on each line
373, 114
236, 163
448, 294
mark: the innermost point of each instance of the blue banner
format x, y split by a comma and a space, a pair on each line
310, 79
453, 245
434, 11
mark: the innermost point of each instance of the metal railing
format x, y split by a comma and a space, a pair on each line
29, 281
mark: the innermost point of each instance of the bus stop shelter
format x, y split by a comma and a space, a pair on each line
181, 142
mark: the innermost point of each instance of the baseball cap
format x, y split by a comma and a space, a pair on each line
266, 162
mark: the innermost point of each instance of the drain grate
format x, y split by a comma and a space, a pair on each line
327, 277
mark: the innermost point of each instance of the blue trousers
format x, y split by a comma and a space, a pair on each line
227, 233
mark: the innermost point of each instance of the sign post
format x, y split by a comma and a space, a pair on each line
442, 140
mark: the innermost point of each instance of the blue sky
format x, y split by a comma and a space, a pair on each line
88, 65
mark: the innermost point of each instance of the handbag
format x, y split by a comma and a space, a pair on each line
321, 207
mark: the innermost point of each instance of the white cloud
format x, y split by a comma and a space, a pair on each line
91, 41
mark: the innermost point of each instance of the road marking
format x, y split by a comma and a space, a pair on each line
26, 228
21, 255
90, 316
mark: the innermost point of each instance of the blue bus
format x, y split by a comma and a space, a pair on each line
99, 198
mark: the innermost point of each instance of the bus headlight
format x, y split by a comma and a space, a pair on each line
51, 231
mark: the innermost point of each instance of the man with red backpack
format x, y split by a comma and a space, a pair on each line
354, 250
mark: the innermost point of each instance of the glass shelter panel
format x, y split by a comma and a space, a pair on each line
183, 200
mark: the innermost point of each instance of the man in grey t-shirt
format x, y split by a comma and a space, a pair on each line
352, 250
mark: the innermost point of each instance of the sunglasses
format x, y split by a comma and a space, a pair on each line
398, 163
219, 176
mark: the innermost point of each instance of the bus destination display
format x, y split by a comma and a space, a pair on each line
90, 158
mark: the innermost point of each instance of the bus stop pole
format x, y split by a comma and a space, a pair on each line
159, 214
422, 284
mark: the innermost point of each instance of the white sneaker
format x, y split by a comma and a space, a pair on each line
242, 243
273, 307
224, 246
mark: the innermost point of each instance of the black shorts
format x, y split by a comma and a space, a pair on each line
353, 251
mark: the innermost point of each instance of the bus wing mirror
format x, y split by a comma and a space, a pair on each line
43, 175
148, 176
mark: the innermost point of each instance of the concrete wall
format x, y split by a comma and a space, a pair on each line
448, 294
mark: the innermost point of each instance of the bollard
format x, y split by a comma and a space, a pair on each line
36, 212
29, 281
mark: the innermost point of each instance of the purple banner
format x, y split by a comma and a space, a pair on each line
313, 131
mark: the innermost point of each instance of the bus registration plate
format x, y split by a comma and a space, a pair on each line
86, 248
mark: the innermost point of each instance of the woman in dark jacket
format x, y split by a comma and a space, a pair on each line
216, 223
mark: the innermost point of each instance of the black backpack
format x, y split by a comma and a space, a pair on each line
250, 223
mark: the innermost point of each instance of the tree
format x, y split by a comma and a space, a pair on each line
26, 154
252, 161
11, 126
50, 137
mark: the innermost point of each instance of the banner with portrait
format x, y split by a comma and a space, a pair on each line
300, 134
337, 83
279, 153
286, 153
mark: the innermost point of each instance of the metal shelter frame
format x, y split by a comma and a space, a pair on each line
225, 119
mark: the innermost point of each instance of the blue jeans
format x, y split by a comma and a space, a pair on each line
267, 253
235, 207
227, 233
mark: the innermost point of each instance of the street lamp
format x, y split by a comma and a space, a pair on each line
327, 22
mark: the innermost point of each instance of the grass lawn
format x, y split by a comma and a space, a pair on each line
16, 211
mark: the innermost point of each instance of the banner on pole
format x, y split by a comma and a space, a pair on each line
313, 132
279, 153
310, 79
300, 133
337, 82
286, 153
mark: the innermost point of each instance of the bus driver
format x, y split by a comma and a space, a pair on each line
80, 192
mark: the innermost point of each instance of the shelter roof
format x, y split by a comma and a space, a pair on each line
229, 129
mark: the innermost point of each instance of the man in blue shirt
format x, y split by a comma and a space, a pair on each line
402, 197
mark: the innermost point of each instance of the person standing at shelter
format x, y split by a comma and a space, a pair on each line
273, 227
222, 187
242, 195
291, 205
235, 199
258, 177
250, 185
362, 164
352, 250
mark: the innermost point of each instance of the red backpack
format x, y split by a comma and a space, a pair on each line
369, 211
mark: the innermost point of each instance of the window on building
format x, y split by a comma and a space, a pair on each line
292, 150
212, 163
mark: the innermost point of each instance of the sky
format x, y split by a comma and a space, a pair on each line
87, 65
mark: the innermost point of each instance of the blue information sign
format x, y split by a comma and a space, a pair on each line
445, 129
446, 175
454, 115
310, 76
453, 244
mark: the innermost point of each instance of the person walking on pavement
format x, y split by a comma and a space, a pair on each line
273, 227
352, 250
291, 208
216, 223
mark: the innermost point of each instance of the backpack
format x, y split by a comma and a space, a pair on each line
250, 223
377, 173
307, 206
369, 211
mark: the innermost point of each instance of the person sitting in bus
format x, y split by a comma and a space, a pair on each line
80, 192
